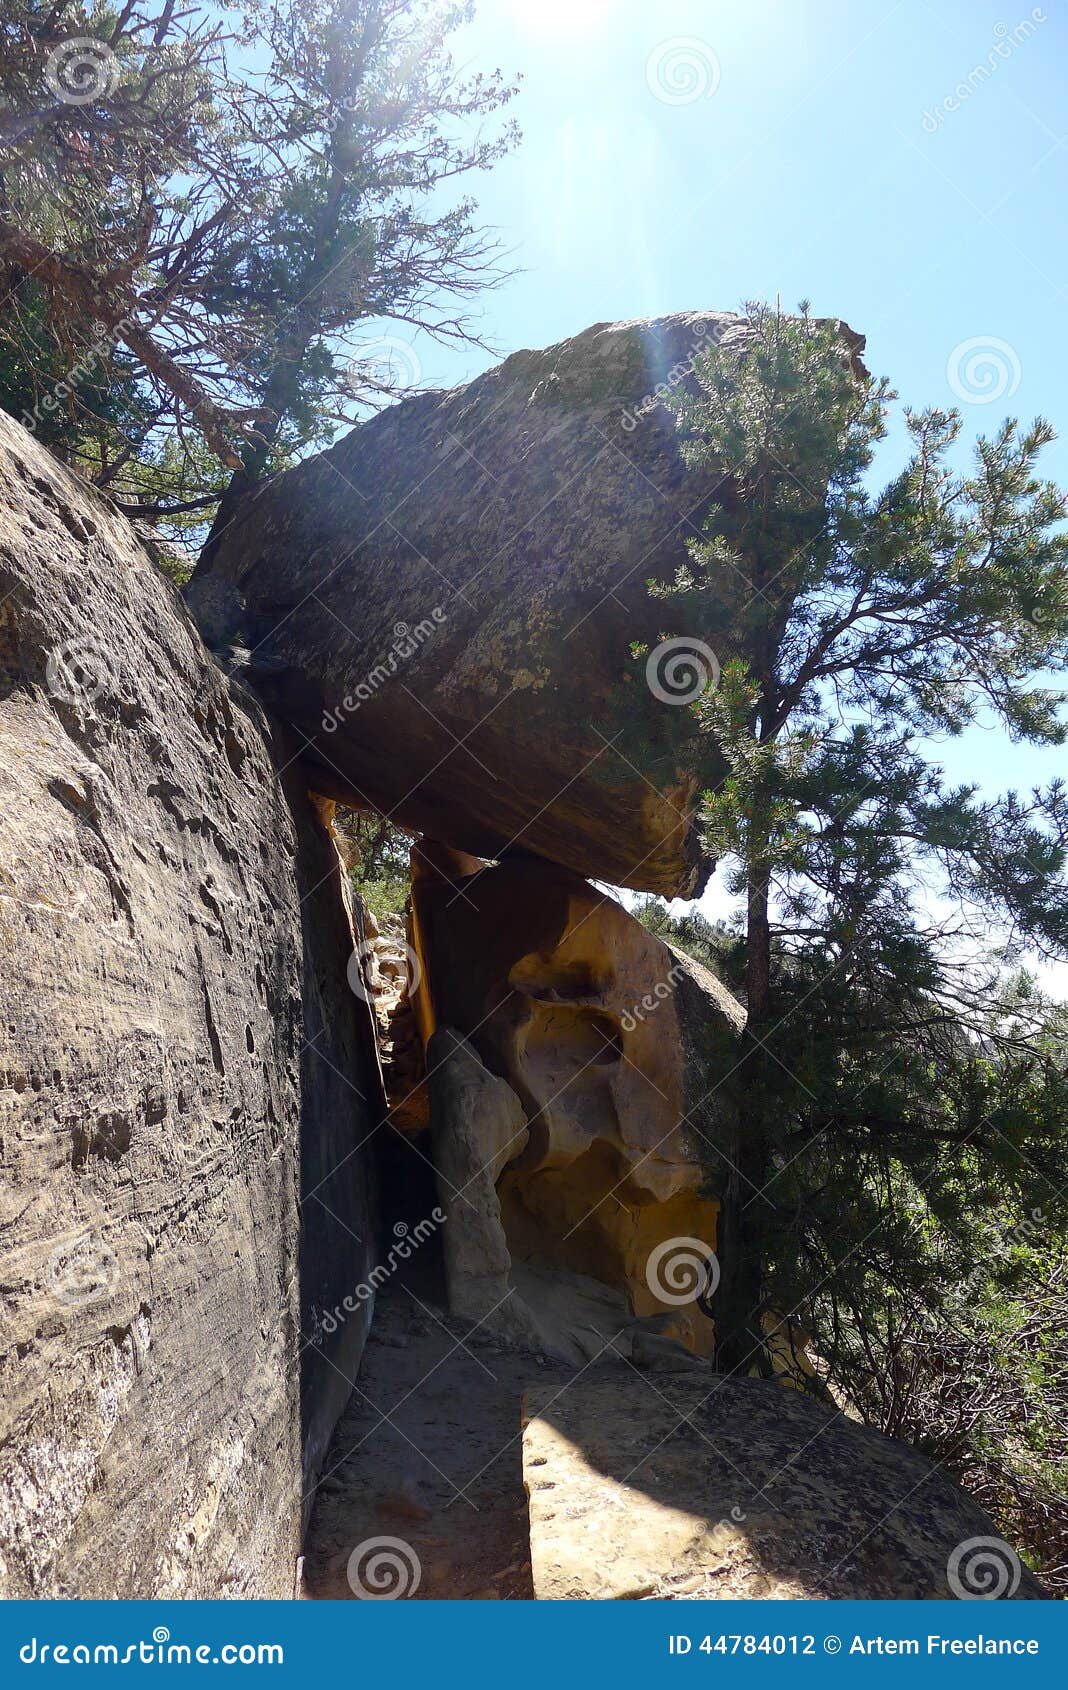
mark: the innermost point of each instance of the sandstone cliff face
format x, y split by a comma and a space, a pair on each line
181, 1063
444, 604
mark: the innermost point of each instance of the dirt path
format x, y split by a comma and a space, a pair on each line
428, 1454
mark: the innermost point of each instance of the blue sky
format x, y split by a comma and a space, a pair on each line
820, 156
808, 172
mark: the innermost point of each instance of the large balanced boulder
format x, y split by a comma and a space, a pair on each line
444, 606
183, 1070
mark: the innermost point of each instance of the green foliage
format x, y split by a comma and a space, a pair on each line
851, 622
69, 396
370, 115
384, 894
902, 1110
380, 853
713, 945
239, 195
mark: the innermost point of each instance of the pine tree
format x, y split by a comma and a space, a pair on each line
852, 626
373, 121
210, 206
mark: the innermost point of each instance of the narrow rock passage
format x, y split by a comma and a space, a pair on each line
443, 1473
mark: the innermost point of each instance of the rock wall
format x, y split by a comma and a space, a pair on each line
183, 1073
341, 1104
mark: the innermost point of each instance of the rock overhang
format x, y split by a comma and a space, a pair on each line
444, 603
448, 606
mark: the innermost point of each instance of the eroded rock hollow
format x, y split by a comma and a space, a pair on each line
613, 1047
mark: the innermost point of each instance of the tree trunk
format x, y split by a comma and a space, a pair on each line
758, 947
737, 1303
277, 401
283, 386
